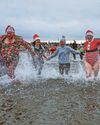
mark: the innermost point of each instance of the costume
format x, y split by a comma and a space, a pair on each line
91, 51
39, 51
10, 49
91, 55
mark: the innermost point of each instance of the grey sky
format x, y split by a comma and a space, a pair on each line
51, 18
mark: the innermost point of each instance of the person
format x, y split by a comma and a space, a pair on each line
74, 46
63, 53
81, 50
1, 62
91, 54
2, 67
39, 51
10, 48
52, 49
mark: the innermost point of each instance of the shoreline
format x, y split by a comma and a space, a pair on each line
50, 102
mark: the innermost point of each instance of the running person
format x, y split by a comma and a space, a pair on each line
10, 45
91, 54
39, 50
63, 53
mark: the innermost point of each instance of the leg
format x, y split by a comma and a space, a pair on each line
67, 68
96, 68
40, 67
10, 70
81, 56
61, 69
34, 62
11, 66
88, 69
74, 56
1, 68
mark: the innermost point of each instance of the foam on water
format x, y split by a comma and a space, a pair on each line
5, 80
26, 71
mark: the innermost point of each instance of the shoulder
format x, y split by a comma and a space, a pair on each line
18, 38
42, 47
2, 37
85, 43
68, 47
96, 40
58, 48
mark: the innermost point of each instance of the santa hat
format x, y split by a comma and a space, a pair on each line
36, 37
89, 32
9, 29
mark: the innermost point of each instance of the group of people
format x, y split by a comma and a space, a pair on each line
11, 45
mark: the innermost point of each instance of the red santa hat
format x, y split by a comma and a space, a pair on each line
36, 37
9, 29
89, 32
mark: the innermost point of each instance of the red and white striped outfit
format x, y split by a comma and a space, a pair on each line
92, 53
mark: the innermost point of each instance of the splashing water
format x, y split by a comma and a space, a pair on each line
25, 69
27, 73
54, 102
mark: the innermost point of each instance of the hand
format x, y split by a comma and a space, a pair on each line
48, 58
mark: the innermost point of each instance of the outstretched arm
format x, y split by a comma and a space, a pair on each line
45, 56
27, 46
73, 51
